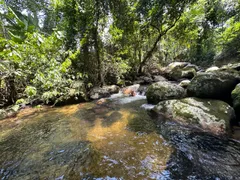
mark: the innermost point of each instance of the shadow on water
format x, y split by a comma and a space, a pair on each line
198, 155
115, 140
85, 141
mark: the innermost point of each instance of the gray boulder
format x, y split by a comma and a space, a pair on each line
213, 85
180, 70
236, 99
159, 78
207, 115
164, 90
102, 92
235, 66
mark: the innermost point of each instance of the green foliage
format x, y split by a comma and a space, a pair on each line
18, 24
31, 91
203, 32
43, 64
21, 101
48, 46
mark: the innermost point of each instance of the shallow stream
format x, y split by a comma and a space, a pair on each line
117, 139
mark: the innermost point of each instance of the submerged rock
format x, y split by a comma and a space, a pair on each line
102, 92
213, 85
209, 115
163, 91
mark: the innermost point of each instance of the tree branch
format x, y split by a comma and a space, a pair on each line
150, 52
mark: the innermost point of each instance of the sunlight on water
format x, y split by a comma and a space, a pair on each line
80, 141
110, 140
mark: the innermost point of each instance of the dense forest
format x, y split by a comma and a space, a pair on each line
53, 49
119, 89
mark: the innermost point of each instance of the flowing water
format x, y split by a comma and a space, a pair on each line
116, 139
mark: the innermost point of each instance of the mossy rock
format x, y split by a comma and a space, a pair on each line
3, 114
236, 100
235, 66
213, 85
207, 115
236, 97
184, 83
181, 70
164, 91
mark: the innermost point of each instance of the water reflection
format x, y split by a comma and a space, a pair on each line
113, 140
82, 141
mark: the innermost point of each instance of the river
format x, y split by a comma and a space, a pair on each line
116, 139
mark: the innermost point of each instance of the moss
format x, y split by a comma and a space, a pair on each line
3, 114
236, 96
163, 91
211, 115
181, 111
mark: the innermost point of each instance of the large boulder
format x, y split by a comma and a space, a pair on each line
164, 90
208, 115
159, 78
180, 70
143, 80
236, 99
235, 66
102, 92
213, 85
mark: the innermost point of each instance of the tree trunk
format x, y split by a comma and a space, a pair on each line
96, 46
149, 54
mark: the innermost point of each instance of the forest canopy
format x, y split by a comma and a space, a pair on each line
49, 45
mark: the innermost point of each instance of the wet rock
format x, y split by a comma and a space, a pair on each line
163, 91
101, 101
211, 69
184, 83
131, 90
102, 92
208, 115
134, 87
181, 70
3, 114
213, 85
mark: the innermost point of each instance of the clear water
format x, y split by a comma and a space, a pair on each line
115, 140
